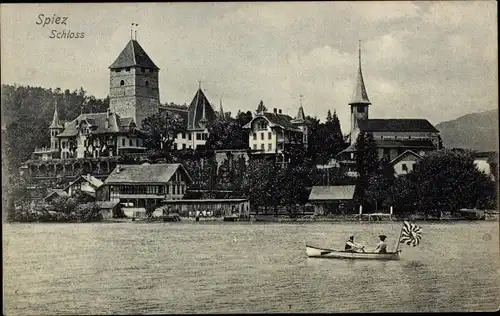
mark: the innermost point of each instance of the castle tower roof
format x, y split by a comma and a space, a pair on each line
360, 96
56, 123
133, 55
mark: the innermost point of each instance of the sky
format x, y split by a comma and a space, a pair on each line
432, 60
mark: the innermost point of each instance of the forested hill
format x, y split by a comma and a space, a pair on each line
476, 131
27, 113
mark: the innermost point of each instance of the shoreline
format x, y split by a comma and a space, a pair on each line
272, 219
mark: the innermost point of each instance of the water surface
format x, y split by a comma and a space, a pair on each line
132, 268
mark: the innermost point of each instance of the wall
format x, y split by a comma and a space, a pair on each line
409, 161
193, 142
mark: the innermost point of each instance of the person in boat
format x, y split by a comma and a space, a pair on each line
350, 245
381, 246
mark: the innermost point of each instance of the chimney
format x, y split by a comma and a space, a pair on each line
275, 110
279, 111
117, 168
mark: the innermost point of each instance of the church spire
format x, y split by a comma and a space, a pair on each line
55, 119
360, 96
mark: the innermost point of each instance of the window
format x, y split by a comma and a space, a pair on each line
198, 136
130, 142
160, 189
270, 147
128, 69
183, 146
361, 109
122, 83
167, 187
143, 70
183, 135
123, 142
404, 167
147, 83
189, 136
262, 146
262, 136
118, 70
189, 147
254, 136
254, 146
269, 135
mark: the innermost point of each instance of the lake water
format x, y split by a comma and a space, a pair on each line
133, 268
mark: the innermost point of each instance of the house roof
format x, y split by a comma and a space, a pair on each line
405, 154
281, 120
396, 125
133, 55
332, 192
58, 192
182, 113
96, 183
97, 122
200, 108
300, 116
146, 173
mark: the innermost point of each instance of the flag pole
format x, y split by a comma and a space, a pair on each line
399, 238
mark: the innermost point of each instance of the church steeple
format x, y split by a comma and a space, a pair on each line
360, 96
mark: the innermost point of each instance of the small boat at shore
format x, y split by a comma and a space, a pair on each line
316, 252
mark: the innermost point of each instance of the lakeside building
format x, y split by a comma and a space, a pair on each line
393, 137
142, 186
271, 132
405, 163
333, 199
208, 207
86, 184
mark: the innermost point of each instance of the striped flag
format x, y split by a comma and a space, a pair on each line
410, 234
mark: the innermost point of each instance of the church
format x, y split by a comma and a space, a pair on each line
133, 96
396, 139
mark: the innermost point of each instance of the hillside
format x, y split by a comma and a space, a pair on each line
476, 131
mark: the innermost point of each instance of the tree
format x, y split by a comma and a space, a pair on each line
161, 129
261, 107
449, 180
366, 163
380, 184
366, 154
243, 118
226, 134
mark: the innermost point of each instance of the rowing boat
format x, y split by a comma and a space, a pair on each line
315, 252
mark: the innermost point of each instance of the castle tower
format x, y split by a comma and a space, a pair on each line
360, 102
55, 128
133, 85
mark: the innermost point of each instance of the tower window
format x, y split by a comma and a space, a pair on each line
147, 83
361, 109
143, 70
128, 69
118, 70
122, 83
